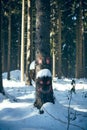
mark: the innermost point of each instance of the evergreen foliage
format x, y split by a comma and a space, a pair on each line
69, 10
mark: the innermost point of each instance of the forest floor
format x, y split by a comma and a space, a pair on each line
18, 113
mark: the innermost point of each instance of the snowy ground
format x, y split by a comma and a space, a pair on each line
18, 113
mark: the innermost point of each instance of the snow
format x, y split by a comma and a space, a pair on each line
43, 73
18, 113
32, 65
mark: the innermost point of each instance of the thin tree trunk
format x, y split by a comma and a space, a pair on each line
32, 29
54, 63
28, 45
53, 43
1, 84
59, 44
22, 42
3, 53
9, 44
79, 44
19, 51
2, 42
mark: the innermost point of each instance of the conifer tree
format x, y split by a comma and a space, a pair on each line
44, 91
1, 84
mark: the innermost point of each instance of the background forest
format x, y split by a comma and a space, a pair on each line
68, 36
53, 34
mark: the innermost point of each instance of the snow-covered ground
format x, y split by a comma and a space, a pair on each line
18, 113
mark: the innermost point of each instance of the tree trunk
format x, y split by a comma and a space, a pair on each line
32, 29
28, 45
52, 36
2, 42
19, 50
59, 43
1, 84
54, 74
79, 44
22, 42
9, 44
3, 53
44, 91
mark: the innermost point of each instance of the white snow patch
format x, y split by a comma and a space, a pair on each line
43, 73
22, 115
14, 75
32, 65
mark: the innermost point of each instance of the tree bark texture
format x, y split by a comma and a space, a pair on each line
59, 44
44, 91
28, 82
79, 44
9, 45
1, 84
22, 41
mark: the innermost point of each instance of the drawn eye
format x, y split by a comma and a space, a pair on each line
41, 82
48, 82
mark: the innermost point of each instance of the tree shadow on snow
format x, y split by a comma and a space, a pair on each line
19, 94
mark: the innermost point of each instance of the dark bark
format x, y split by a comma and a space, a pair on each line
28, 82
1, 84
59, 44
32, 29
9, 45
79, 44
44, 91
